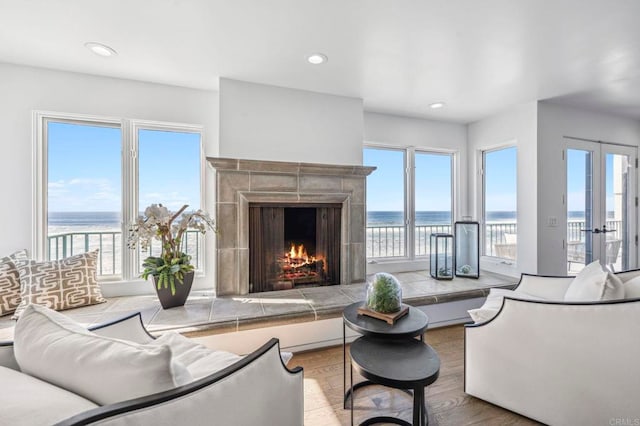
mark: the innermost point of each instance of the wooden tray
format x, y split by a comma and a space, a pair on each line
390, 318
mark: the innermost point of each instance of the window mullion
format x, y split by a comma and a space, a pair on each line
410, 205
129, 196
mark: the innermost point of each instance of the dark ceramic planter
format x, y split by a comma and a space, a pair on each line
182, 292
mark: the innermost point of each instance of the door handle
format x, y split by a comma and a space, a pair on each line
595, 231
605, 230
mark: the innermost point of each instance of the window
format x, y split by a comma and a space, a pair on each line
404, 209
500, 203
433, 198
84, 192
386, 224
94, 177
180, 152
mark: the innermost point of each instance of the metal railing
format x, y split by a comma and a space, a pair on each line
389, 241
575, 227
496, 233
109, 244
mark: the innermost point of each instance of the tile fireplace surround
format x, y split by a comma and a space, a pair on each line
242, 182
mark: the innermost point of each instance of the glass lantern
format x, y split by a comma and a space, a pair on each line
467, 258
441, 246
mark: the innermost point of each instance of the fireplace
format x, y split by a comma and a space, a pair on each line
293, 246
249, 190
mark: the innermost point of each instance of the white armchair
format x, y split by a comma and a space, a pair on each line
257, 389
555, 362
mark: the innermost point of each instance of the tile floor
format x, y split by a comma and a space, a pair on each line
204, 312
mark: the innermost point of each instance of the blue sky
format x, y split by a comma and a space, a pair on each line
500, 178
84, 172
576, 180
385, 186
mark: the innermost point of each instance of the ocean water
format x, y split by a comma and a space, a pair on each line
78, 219
112, 220
430, 217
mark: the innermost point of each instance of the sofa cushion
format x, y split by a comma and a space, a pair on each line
199, 360
54, 348
60, 284
10, 282
493, 303
632, 288
593, 284
25, 400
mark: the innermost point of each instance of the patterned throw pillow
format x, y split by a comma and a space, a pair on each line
10, 282
59, 284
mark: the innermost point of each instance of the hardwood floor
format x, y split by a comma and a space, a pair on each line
447, 403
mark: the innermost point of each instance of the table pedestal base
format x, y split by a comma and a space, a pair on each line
420, 416
363, 384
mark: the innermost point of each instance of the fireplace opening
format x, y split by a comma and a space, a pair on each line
293, 246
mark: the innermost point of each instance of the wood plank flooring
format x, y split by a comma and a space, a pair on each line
447, 403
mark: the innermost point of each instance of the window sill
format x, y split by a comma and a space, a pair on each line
140, 287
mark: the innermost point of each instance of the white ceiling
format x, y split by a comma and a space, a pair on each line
478, 56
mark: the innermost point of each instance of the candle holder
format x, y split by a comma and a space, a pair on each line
467, 258
442, 262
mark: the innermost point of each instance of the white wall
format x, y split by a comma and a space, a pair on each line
24, 89
261, 122
555, 122
405, 132
517, 125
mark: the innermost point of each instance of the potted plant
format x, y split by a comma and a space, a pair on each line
172, 271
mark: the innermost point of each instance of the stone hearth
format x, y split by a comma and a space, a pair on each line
242, 182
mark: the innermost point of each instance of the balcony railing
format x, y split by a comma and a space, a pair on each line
389, 241
109, 244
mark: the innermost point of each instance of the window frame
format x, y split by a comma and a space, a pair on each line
129, 180
409, 196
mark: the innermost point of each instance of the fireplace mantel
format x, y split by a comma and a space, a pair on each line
241, 182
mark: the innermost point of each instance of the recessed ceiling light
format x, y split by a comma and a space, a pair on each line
100, 49
317, 58
436, 105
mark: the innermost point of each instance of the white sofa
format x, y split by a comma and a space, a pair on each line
257, 389
559, 363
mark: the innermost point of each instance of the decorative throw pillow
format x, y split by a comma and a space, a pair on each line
10, 282
52, 347
632, 288
199, 360
59, 284
593, 284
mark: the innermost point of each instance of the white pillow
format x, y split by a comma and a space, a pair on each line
593, 284
632, 288
198, 359
54, 348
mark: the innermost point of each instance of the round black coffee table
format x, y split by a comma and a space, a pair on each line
409, 326
400, 364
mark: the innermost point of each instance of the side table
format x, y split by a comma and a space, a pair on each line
406, 328
400, 364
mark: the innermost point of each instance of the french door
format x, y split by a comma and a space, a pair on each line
601, 205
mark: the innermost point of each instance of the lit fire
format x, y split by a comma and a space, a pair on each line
299, 253
297, 264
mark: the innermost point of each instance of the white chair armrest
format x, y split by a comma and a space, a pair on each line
550, 288
128, 328
258, 389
